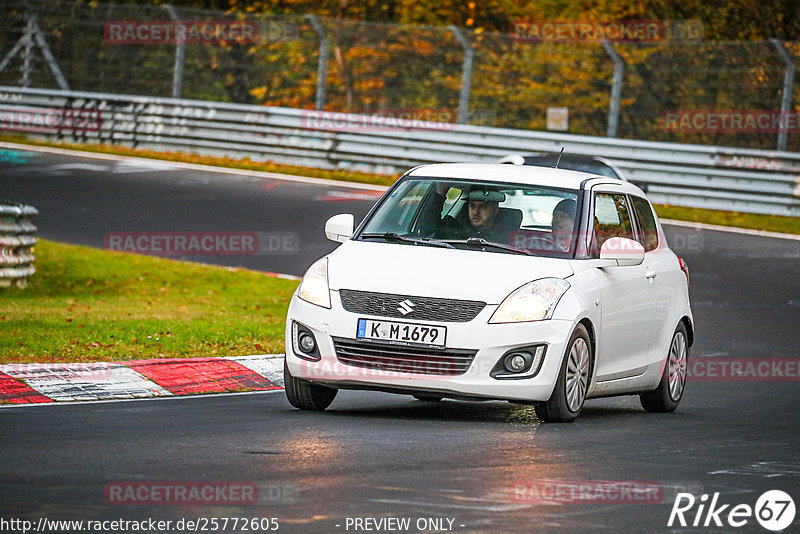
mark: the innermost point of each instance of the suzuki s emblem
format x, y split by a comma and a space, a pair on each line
406, 307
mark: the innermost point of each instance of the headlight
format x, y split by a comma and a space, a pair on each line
314, 287
532, 302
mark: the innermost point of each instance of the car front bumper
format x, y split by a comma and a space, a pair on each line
491, 341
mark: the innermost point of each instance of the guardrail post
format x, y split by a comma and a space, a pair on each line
27, 55
17, 238
322, 63
466, 74
33, 35
180, 53
616, 89
786, 99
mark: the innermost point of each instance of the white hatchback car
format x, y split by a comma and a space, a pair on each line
451, 288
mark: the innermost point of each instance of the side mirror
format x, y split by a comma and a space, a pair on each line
339, 228
623, 251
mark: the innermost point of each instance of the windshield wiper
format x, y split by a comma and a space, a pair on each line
481, 242
392, 236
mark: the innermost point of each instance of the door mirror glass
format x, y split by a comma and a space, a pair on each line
339, 228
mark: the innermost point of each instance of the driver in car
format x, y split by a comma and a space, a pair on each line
477, 219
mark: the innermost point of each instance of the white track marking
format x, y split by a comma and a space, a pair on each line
139, 399
196, 167
270, 366
93, 167
128, 166
730, 229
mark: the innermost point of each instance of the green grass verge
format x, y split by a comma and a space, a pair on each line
85, 304
754, 221
772, 223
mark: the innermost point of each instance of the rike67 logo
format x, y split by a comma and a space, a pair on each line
774, 510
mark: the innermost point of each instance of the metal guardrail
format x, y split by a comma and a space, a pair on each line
16, 243
755, 181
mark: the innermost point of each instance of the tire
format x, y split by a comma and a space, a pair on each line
666, 397
569, 394
428, 398
304, 395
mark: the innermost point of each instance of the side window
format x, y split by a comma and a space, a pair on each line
647, 223
405, 204
611, 218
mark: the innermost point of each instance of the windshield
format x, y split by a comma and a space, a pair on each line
487, 216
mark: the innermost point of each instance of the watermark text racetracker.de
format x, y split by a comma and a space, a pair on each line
178, 493
726, 369
49, 120
159, 32
730, 121
599, 491
620, 31
81, 372
386, 120
215, 243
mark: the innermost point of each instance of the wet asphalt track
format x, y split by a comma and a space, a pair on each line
376, 455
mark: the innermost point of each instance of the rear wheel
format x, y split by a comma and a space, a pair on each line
566, 402
668, 394
304, 395
428, 398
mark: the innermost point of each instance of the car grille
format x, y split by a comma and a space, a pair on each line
424, 308
403, 359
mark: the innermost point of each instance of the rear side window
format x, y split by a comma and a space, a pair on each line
611, 218
647, 223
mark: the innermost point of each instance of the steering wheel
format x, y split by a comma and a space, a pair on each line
450, 225
546, 242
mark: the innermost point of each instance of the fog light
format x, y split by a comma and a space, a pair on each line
519, 363
516, 361
307, 343
304, 344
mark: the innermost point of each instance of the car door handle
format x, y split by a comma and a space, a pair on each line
650, 274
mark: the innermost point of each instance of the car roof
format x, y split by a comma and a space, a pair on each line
523, 174
566, 157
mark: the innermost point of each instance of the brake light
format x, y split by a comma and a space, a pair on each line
685, 269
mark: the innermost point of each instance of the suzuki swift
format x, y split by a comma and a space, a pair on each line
495, 282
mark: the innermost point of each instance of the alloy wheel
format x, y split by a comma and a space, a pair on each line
677, 366
577, 379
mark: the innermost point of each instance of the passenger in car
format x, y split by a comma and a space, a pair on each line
563, 223
561, 235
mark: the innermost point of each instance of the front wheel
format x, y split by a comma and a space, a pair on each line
304, 395
566, 402
668, 394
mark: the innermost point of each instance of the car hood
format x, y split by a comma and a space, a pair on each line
437, 272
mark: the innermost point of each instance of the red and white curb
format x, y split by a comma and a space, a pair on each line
26, 383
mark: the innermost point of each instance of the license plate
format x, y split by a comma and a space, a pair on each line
405, 333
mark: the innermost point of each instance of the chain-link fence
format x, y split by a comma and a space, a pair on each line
448, 74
